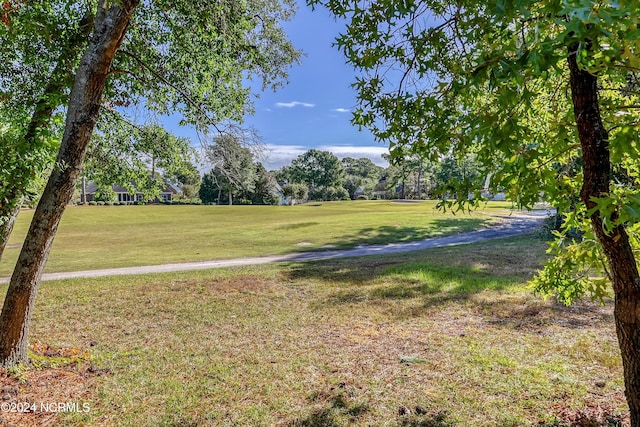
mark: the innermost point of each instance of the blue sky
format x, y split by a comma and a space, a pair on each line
314, 109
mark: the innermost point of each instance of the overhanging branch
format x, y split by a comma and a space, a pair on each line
187, 97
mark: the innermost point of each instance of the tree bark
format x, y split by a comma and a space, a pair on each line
7, 226
594, 140
84, 191
82, 114
420, 180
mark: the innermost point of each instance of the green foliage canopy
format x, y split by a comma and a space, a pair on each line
360, 174
490, 79
527, 87
192, 58
319, 170
135, 157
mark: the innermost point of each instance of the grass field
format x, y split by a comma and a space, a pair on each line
95, 237
445, 337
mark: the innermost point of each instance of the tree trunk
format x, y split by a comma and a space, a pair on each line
84, 107
420, 180
623, 268
84, 191
7, 226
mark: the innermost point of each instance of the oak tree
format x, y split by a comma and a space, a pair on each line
527, 87
319, 170
360, 174
39, 48
233, 170
191, 58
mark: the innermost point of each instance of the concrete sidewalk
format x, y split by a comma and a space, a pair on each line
517, 223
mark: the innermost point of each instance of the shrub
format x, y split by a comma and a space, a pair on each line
100, 203
334, 193
93, 203
362, 197
105, 195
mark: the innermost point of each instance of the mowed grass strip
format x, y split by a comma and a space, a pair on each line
445, 337
96, 237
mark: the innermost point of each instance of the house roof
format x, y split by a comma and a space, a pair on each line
90, 187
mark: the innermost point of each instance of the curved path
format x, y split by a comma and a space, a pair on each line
514, 224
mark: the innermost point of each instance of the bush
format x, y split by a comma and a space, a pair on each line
362, 197
105, 195
100, 203
553, 224
93, 203
108, 203
335, 193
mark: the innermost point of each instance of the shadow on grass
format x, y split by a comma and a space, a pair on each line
453, 275
339, 406
442, 273
396, 234
438, 419
337, 409
432, 283
297, 226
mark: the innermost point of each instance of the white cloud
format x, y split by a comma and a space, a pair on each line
282, 155
294, 104
278, 156
373, 152
341, 110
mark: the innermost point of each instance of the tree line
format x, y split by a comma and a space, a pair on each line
238, 178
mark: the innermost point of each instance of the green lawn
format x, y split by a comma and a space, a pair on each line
118, 236
444, 337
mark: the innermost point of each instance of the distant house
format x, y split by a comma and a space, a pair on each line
380, 190
167, 194
359, 192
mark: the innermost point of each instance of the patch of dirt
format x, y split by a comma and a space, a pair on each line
532, 316
594, 414
241, 284
35, 397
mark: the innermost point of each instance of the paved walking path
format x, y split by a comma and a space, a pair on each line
517, 223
